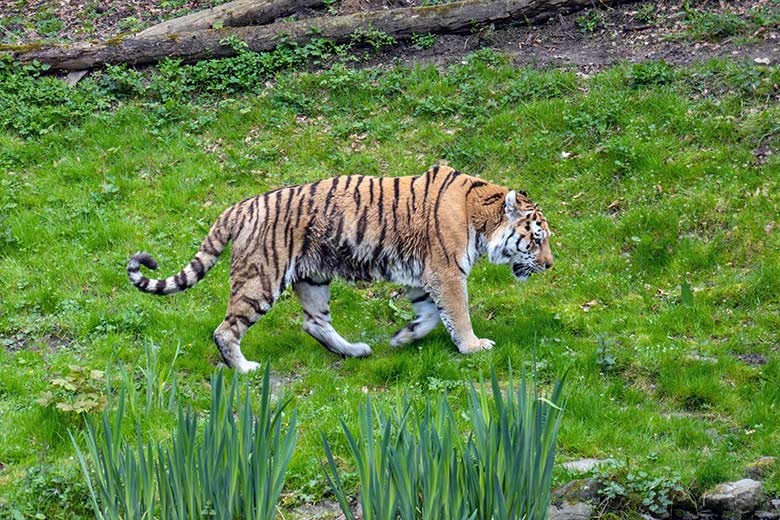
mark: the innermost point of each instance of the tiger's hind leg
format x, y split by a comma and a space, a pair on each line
243, 311
315, 300
427, 318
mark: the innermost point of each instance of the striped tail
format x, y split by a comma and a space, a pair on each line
192, 273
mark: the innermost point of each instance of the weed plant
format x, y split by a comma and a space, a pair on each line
234, 468
421, 465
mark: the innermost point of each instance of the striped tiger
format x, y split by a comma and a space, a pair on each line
425, 232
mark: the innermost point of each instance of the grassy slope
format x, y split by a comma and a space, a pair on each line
692, 206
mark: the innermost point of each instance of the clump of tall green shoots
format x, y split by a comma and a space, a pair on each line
414, 465
234, 468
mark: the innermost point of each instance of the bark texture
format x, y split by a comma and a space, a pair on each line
232, 14
197, 45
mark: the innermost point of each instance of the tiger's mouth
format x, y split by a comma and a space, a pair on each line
521, 272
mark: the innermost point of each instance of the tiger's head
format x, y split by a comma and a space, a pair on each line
522, 239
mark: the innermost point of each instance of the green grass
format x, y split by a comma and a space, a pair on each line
659, 186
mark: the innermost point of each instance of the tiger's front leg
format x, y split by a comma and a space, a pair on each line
451, 296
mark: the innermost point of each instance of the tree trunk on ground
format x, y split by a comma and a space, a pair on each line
197, 45
232, 14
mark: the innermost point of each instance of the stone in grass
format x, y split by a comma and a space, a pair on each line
584, 465
570, 511
582, 490
761, 467
734, 499
767, 515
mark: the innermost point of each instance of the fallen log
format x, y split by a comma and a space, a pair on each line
211, 43
232, 14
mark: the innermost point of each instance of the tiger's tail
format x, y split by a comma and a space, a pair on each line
212, 246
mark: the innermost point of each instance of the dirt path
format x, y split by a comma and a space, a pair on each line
621, 35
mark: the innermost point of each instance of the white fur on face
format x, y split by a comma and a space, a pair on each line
508, 246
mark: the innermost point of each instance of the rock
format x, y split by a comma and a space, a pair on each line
584, 465
321, 511
74, 77
570, 511
774, 504
702, 359
767, 515
760, 468
734, 498
583, 490
762, 61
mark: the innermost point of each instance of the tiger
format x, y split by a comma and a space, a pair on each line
424, 232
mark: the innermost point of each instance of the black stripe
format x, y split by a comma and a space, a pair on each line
380, 246
197, 266
225, 224
143, 283
309, 281
181, 280
312, 192
361, 226
254, 303
208, 246
349, 180
381, 201
288, 205
329, 196
421, 299
411, 188
427, 185
339, 228
159, 287
290, 245
396, 190
306, 236
370, 190
490, 200
299, 213
356, 193
244, 320
475, 185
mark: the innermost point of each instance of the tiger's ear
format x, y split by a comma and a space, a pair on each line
510, 205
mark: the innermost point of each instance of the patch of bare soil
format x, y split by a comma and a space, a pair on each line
25, 340
622, 35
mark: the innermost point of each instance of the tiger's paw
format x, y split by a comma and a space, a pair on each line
244, 367
402, 337
477, 345
358, 350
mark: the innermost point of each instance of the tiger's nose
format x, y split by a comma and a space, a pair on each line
548, 263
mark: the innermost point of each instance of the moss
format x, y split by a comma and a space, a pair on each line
117, 40
21, 49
